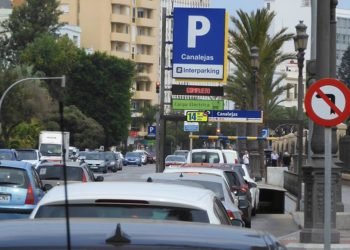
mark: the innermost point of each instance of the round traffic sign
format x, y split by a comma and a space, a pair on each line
327, 102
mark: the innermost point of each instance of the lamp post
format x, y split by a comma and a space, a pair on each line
300, 44
254, 155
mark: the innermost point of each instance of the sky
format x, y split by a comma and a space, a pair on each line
250, 5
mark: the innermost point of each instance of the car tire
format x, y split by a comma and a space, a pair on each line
114, 169
248, 224
105, 171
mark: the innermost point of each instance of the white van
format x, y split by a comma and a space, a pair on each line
231, 156
206, 156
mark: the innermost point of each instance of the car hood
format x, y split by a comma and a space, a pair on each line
94, 161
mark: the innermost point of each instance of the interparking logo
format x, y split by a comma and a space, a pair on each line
178, 69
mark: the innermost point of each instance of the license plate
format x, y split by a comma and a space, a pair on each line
94, 167
4, 198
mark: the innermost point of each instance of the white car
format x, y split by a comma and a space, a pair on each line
134, 200
143, 156
206, 156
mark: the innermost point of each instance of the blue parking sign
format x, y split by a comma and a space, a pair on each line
152, 130
200, 43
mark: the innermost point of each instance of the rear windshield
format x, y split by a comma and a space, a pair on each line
6, 156
216, 187
180, 158
51, 149
27, 155
56, 173
124, 211
205, 157
13, 177
234, 178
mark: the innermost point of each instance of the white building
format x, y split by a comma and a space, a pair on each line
169, 5
73, 32
4, 14
288, 15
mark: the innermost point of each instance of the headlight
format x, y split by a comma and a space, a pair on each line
112, 163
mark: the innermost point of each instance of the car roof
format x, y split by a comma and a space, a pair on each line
186, 176
155, 193
194, 169
15, 164
206, 150
128, 234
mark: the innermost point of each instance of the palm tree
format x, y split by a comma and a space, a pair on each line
252, 30
149, 113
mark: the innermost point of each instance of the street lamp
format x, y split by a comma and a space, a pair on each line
255, 161
300, 44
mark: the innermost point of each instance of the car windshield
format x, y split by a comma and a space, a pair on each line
13, 177
27, 155
184, 153
109, 156
179, 158
132, 154
94, 156
124, 211
205, 157
50, 149
6, 156
234, 178
56, 173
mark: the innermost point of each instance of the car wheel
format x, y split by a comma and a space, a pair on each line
139, 165
248, 224
104, 171
114, 169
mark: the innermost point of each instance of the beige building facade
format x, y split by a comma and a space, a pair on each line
126, 29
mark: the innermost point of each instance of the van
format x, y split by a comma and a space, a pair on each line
206, 156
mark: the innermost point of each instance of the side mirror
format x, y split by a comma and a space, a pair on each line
99, 178
47, 187
258, 178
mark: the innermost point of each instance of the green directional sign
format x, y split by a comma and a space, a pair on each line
198, 104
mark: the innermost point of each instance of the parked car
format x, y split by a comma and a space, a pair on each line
8, 154
211, 182
96, 161
143, 155
181, 152
231, 156
20, 189
132, 158
111, 161
175, 160
232, 177
151, 157
51, 174
206, 156
133, 200
29, 155
131, 234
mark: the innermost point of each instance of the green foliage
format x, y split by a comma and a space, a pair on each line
149, 114
27, 22
252, 30
99, 85
26, 134
24, 101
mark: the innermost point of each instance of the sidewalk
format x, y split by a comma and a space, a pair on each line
291, 240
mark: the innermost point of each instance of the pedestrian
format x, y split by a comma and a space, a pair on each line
246, 160
274, 158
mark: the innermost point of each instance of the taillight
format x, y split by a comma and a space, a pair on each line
245, 188
230, 214
30, 196
84, 178
236, 161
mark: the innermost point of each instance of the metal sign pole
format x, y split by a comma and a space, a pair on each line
191, 146
327, 187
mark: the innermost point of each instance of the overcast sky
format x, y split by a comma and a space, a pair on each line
249, 5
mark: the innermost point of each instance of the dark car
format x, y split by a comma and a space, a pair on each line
112, 161
130, 234
20, 189
8, 154
96, 161
51, 174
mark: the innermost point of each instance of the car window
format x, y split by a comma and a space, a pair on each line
205, 157
56, 173
216, 187
27, 155
94, 156
109, 156
90, 173
36, 178
6, 156
233, 178
231, 156
51, 149
221, 213
175, 158
13, 177
124, 211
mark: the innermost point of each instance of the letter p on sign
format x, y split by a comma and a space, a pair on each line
193, 32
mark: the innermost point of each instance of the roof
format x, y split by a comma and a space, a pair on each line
15, 164
186, 176
140, 234
206, 150
216, 171
156, 193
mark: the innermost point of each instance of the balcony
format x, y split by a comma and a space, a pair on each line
144, 95
120, 37
146, 58
121, 54
147, 4
146, 22
120, 18
121, 2
148, 40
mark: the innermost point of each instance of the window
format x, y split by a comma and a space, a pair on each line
268, 6
220, 212
64, 8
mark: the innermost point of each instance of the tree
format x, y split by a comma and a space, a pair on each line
52, 56
27, 22
99, 85
344, 69
24, 102
252, 30
149, 113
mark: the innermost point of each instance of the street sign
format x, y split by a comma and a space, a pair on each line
197, 90
246, 116
327, 102
196, 116
200, 44
152, 130
265, 133
191, 126
197, 104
